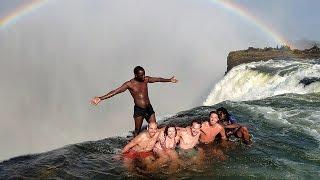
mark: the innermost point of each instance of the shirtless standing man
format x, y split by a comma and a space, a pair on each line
138, 87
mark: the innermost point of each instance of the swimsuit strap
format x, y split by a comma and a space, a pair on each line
165, 143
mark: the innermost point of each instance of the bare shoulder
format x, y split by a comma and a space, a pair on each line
130, 81
220, 126
161, 134
205, 123
161, 129
147, 79
141, 136
182, 131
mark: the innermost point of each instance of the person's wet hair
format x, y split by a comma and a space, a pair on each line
213, 112
137, 69
224, 111
195, 121
169, 126
153, 123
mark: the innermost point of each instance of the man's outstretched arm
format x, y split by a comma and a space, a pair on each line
120, 89
159, 79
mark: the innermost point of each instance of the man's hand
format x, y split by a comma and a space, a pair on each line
95, 101
173, 80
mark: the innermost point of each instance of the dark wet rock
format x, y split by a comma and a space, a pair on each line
307, 81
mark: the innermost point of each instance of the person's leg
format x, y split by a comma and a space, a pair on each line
243, 133
238, 133
150, 114
137, 125
152, 118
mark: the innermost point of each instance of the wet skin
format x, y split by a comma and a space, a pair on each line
138, 88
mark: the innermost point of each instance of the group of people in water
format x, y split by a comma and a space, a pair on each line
171, 145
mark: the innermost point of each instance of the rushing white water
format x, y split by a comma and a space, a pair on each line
304, 120
258, 80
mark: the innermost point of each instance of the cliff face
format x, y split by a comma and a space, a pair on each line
254, 54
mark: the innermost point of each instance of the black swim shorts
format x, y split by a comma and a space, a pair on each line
144, 112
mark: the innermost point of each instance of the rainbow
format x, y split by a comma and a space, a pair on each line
25, 9
20, 12
244, 13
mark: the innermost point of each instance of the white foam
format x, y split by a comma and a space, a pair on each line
163, 117
307, 121
244, 83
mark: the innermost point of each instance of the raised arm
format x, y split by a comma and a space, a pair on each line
120, 89
159, 79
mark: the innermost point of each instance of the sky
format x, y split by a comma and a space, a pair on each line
56, 58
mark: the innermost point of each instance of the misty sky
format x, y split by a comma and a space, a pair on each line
55, 59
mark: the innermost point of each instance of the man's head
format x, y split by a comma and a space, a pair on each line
223, 114
152, 128
213, 117
170, 131
195, 128
139, 73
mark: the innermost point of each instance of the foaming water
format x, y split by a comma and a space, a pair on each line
285, 131
258, 80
